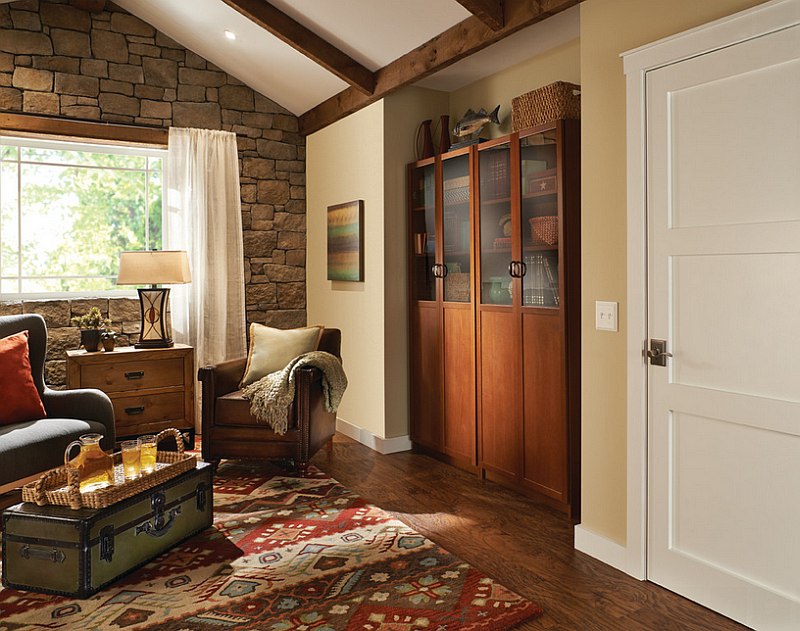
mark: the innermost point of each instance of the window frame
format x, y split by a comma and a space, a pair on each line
89, 144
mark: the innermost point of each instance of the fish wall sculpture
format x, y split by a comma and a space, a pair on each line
472, 122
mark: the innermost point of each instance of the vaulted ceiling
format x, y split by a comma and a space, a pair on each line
324, 59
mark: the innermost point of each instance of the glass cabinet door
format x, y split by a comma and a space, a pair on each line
495, 224
539, 220
423, 233
456, 228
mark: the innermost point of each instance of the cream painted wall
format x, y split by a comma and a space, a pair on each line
363, 157
403, 112
608, 28
559, 64
344, 162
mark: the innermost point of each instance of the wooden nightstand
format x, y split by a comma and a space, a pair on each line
151, 389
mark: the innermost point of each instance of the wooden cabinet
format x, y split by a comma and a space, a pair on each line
150, 389
518, 336
442, 310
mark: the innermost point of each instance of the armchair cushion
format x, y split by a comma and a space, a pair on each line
21, 401
273, 349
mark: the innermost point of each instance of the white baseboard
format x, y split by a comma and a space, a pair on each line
607, 551
376, 443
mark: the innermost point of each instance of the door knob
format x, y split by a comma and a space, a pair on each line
658, 353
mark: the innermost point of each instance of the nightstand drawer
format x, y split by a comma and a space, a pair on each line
150, 388
125, 376
154, 408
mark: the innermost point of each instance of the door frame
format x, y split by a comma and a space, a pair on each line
758, 21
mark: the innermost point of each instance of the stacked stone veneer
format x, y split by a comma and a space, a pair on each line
124, 314
110, 66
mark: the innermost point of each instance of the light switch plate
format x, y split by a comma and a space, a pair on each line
605, 318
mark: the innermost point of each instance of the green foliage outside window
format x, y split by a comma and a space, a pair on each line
66, 214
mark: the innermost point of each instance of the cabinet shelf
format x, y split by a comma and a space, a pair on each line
495, 201
540, 248
539, 195
525, 248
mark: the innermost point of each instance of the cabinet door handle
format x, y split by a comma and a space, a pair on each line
443, 270
517, 269
134, 374
139, 409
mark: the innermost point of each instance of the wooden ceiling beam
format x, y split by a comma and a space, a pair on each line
93, 6
306, 42
490, 12
459, 41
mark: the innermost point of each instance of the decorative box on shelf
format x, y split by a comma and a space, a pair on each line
538, 184
456, 190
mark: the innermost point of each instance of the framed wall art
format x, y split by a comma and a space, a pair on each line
346, 241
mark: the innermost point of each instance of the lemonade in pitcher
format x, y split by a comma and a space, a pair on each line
96, 467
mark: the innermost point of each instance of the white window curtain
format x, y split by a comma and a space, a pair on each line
204, 217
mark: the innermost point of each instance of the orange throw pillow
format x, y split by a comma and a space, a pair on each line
21, 401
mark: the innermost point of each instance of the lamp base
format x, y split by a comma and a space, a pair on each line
155, 344
156, 331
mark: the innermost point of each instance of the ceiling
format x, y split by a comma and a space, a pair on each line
366, 41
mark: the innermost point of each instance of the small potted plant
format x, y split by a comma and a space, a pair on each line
92, 325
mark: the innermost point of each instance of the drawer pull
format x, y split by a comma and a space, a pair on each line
134, 374
139, 409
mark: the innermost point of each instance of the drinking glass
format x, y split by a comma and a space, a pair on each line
147, 449
131, 462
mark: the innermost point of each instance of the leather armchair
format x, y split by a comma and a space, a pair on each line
27, 449
229, 431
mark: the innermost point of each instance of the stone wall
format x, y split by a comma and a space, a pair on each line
110, 66
124, 314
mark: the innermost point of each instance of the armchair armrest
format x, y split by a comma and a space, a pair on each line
223, 378
85, 404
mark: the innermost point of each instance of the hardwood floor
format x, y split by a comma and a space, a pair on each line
526, 546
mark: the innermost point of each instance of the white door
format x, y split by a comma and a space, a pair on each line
723, 195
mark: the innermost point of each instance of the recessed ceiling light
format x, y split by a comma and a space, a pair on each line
230, 34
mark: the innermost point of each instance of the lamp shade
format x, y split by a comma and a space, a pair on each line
152, 267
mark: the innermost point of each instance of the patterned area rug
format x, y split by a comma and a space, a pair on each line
287, 554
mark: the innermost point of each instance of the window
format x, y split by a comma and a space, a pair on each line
68, 209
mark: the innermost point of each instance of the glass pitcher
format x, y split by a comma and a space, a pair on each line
95, 466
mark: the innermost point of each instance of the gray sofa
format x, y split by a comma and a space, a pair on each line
32, 447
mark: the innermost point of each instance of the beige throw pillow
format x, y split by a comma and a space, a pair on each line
273, 349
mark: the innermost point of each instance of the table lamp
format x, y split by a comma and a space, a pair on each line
154, 267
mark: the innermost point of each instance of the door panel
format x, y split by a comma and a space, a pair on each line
459, 386
717, 134
723, 145
426, 398
501, 384
544, 419
720, 303
702, 529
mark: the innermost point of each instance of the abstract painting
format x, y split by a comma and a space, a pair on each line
346, 241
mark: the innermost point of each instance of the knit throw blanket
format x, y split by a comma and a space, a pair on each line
271, 396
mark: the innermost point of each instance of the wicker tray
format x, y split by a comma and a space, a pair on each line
548, 103
60, 486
